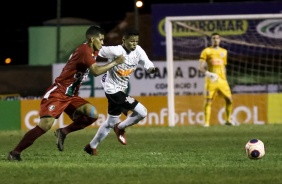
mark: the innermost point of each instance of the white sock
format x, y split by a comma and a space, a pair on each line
104, 130
100, 135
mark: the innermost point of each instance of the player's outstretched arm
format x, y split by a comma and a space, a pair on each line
97, 70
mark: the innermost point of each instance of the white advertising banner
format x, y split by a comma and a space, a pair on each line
187, 80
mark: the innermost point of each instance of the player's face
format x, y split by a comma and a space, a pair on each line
97, 42
131, 42
215, 39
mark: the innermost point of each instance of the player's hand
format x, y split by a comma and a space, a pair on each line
120, 59
213, 76
152, 70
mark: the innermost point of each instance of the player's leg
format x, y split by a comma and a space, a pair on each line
44, 125
139, 113
46, 121
83, 116
207, 111
210, 91
101, 134
226, 92
82, 113
114, 113
228, 110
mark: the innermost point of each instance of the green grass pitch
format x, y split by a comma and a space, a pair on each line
154, 155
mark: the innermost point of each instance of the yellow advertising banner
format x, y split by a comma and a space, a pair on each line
247, 109
29, 114
274, 108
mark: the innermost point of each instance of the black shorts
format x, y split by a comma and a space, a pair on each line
120, 103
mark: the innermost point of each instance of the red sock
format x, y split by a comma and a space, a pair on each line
74, 126
28, 139
78, 124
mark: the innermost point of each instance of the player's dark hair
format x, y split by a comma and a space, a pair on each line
94, 30
130, 32
215, 34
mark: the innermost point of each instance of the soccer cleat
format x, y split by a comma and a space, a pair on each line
228, 123
60, 139
120, 134
231, 123
206, 125
90, 151
14, 156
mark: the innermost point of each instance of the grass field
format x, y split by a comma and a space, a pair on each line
155, 155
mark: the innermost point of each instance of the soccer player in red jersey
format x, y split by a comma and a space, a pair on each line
62, 96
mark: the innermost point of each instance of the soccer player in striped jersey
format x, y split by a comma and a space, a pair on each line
62, 95
212, 61
115, 83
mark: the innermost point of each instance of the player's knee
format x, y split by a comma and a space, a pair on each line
93, 113
141, 110
86, 110
85, 120
143, 113
46, 123
112, 120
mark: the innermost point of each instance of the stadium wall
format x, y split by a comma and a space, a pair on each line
25, 80
45, 54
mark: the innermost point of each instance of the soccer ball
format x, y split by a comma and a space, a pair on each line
255, 149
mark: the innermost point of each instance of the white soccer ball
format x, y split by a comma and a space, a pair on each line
255, 149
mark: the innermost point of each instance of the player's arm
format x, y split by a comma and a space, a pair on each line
203, 61
203, 68
213, 76
146, 62
97, 70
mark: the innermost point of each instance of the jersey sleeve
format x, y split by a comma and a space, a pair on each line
83, 55
225, 58
144, 60
107, 52
89, 60
203, 56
